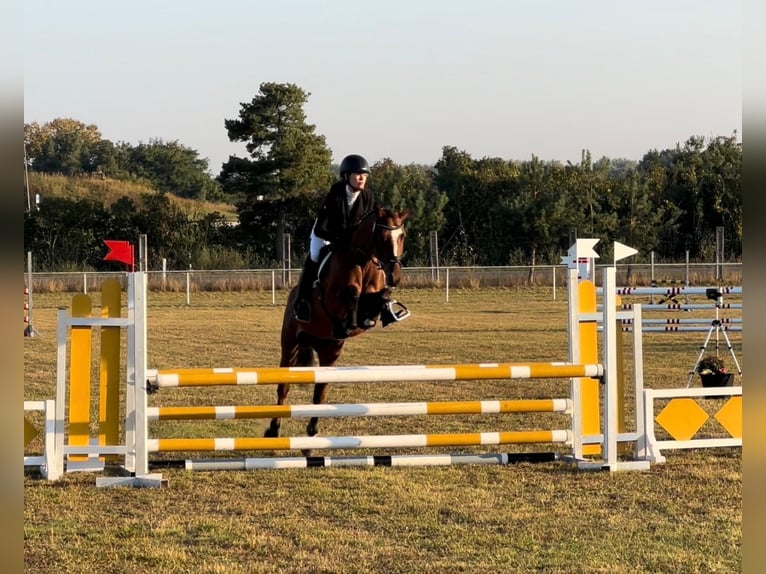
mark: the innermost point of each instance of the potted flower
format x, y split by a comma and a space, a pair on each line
713, 373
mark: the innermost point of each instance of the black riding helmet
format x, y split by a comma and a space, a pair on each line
353, 164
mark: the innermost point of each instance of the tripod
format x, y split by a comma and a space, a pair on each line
715, 326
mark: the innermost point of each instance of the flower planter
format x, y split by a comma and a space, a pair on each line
717, 380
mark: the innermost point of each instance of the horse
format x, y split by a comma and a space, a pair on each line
352, 292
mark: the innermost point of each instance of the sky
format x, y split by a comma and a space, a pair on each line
396, 79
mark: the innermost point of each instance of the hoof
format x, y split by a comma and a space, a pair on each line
306, 452
271, 433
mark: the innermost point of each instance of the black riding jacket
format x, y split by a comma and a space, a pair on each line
335, 221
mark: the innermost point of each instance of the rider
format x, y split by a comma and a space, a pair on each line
347, 200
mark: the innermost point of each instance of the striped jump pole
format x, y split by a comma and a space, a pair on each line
29, 328
287, 462
680, 306
675, 291
351, 442
676, 325
367, 374
358, 409
683, 329
677, 321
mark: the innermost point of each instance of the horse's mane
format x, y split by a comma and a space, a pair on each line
362, 237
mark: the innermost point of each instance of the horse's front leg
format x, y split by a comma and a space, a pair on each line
349, 298
320, 394
312, 429
273, 430
352, 294
351, 311
371, 304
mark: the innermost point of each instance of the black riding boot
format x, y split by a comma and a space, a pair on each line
302, 308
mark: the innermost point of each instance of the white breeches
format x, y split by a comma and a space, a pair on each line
315, 244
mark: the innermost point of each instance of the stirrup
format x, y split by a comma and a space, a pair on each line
388, 315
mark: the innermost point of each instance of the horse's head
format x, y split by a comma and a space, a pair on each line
388, 243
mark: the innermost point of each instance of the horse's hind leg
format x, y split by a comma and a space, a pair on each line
312, 429
320, 394
297, 354
273, 430
328, 354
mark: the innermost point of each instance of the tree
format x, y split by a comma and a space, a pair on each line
683, 190
172, 168
454, 172
288, 168
170, 234
721, 190
473, 188
533, 218
641, 223
124, 223
64, 146
411, 186
494, 180
703, 181
66, 233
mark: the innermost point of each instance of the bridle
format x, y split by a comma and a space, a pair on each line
395, 259
373, 255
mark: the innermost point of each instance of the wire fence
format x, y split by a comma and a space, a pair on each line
659, 274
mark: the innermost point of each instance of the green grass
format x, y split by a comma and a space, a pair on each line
682, 516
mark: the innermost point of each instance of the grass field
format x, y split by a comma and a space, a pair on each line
684, 516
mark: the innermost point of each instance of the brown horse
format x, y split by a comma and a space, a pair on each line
353, 291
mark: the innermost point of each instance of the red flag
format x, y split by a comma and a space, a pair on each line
121, 251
